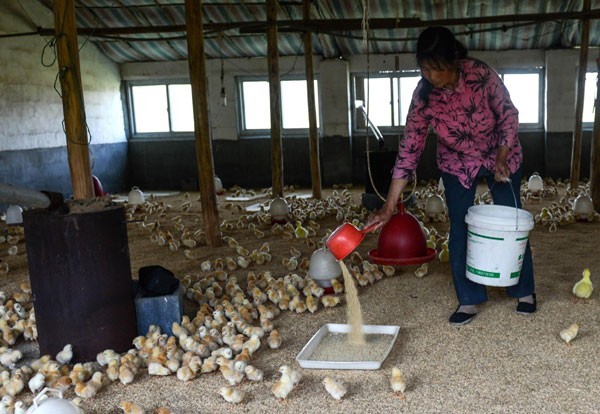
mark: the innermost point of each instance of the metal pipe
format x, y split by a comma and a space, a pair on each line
9, 194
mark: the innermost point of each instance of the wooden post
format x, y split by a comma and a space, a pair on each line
595, 151
197, 65
313, 138
275, 94
72, 97
583, 55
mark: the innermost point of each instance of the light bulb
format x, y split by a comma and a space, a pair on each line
223, 97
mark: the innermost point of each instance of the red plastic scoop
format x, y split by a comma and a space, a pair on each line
346, 238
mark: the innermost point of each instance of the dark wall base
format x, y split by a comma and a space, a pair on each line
559, 146
247, 162
48, 168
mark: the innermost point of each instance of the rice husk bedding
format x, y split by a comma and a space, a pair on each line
500, 363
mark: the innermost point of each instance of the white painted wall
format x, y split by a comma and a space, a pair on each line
31, 113
334, 77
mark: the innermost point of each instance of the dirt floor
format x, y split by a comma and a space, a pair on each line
500, 363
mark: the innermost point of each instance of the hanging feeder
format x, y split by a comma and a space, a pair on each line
45, 403
218, 186
535, 184
324, 267
402, 242
136, 196
14, 215
434, 205
279, 210
583, 207
98, 190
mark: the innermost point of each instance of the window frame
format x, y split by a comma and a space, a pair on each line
394, 94
244, 133
131, 114
411, 73
539, 70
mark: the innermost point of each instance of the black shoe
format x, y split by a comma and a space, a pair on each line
461, 318
524, 308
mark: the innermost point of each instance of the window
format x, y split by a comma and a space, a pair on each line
390, 94
525, 92
589, 99
256, 105
388, 97
161, 109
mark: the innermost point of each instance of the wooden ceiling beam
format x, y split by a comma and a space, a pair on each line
324, 25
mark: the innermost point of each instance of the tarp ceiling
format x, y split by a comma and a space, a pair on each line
154, 30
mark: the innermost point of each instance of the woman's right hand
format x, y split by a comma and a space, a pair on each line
380, 218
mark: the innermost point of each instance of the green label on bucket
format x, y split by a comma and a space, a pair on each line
483, 273
515, 274
484, 237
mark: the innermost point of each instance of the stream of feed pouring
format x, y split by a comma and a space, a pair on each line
354, 312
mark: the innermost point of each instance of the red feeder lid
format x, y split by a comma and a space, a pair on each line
402, 241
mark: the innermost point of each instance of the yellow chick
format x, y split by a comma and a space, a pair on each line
584, 288
330, 301
422, 270
300, 232
274, 340
89, 389
335, 389
283, 387
444, 254
129, 407
232, 395
231, 375
65, 356
37, 382
397, 382
253, 373
570, 333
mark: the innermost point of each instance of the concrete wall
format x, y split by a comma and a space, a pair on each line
33, 149
246, 161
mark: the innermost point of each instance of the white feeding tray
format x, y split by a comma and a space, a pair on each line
344, 355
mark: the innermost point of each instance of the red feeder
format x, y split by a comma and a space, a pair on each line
402, 242
98, 191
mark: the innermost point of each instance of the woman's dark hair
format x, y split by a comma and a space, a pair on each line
438, 47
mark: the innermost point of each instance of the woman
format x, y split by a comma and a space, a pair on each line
469, 108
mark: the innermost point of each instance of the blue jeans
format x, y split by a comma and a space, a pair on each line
458, 200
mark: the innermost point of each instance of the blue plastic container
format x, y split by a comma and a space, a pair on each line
158, 310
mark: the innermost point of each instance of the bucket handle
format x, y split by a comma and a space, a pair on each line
508, 181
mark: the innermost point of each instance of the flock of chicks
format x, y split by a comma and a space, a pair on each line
232, 323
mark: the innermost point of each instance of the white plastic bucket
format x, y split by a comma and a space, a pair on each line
496, 241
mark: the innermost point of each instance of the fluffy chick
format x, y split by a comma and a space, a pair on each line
232, 395
37, 382
336, 389
569, 333
274, 340
129, 407
253, 373
584, 288
282, 388
65, 356
397, 382
89, 389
